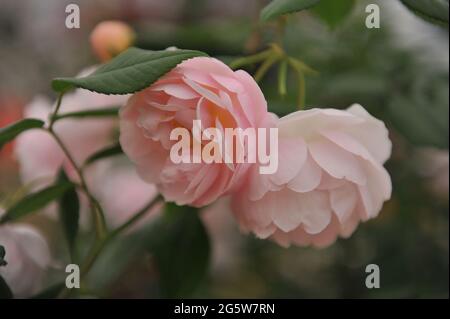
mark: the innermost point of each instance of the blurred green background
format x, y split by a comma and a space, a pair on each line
399, 72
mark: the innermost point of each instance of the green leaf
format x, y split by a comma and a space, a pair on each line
181, 250
129, 72
9, 132
35, 201
333, 12
5, 291
2, 256
435, 11
420, 124
103, 112
69, 207
422, 115
51, 292
277, 8
104, 153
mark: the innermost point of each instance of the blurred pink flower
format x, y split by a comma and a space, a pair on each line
122, 193
330, 177
38, 154
433, 165
27, 257
198, 89
224, 235
40, 157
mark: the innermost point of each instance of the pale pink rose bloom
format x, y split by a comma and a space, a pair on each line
40, 157
330, 177
38, 154
198, 89
122, 193
28, 258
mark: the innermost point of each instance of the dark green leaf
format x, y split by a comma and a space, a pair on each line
2, 256
181, 249
435, 11
35, 201
129, 72
420, 124
51, 292
69, 207
104, 112
333, 12
104, 153
121, 253
9, 132
5, 291
422, 116
277, 8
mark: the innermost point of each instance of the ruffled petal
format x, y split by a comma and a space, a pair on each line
308, 178
337, 162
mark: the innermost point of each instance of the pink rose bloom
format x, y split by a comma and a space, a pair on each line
28, 257
40, 157
330, 177
122, 193
38, 154
198, 89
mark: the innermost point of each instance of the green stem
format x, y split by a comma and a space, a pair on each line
265, 67
300, 66
135, 218
55, 112
98, 247
98, 216
282, 76
255, 58
301, 90
92, 256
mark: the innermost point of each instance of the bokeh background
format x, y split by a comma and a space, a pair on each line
399, 72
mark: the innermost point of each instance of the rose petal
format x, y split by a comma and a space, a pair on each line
308, 178
343, 201
337, 162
